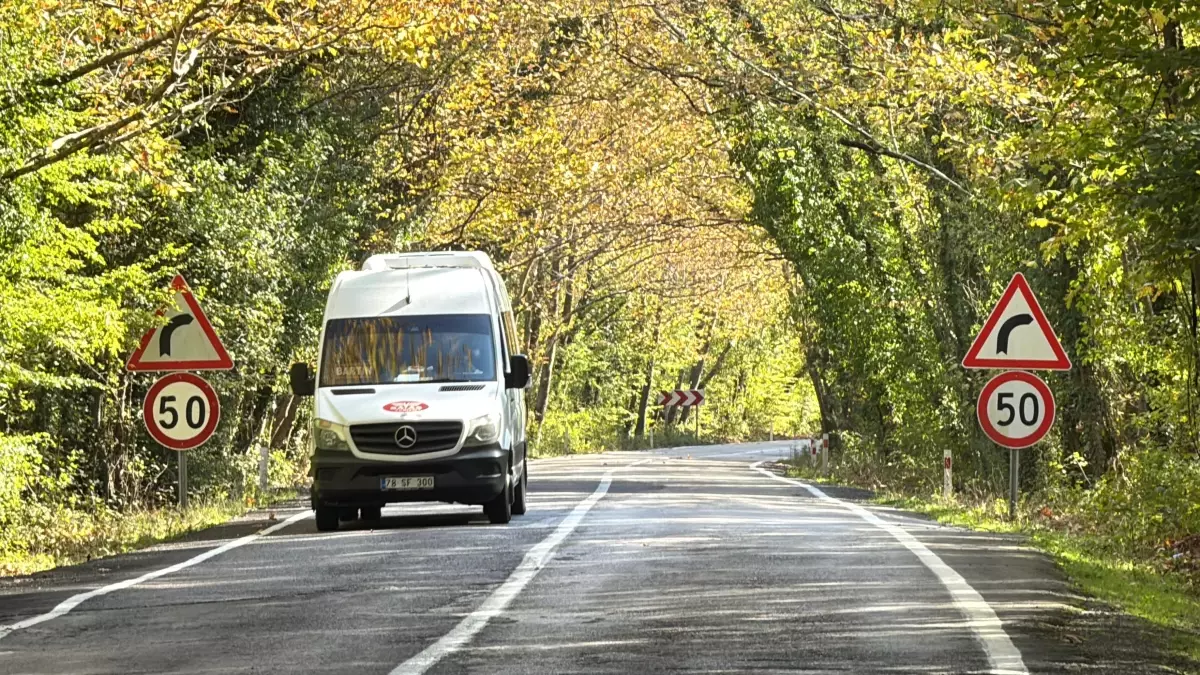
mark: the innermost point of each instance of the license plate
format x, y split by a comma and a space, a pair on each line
406, 483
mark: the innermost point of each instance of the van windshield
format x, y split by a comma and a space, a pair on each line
398, 349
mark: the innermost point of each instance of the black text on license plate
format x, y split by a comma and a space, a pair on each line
406, 483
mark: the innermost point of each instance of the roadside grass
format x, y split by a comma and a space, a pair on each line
72, 536
1134, 587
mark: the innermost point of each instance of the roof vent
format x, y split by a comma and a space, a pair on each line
396, 261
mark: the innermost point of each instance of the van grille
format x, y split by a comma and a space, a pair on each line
381, 438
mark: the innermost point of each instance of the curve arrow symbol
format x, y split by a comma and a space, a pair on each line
164, 336
1010, 324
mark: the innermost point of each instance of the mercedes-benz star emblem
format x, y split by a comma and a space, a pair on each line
406, 437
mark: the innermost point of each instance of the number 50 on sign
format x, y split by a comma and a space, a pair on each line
181, 411
1016, 409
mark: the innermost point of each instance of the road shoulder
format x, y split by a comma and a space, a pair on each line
1051, 619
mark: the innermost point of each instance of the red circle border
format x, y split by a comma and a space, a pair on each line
210, 427
991, 431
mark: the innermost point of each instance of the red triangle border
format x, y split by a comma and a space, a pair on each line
1060, 360
222, 362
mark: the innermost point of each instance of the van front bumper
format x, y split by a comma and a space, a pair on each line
472, 476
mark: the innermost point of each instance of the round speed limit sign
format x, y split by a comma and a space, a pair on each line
1015, 409
181, 411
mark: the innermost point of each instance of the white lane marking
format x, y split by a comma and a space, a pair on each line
1002, 654
75, 600
531, 564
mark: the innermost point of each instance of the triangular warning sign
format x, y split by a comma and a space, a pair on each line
186, 342
1017, 334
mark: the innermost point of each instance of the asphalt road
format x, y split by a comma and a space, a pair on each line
687, 560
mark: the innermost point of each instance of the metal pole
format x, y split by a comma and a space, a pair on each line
772, 437
1014, 464
947, 490
651, 438
697, 424
183, 502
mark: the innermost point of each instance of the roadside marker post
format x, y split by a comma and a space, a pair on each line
1015, 408
825, 454
264, 458
947, 489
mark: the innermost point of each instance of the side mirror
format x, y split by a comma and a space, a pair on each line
517, 376
300, 376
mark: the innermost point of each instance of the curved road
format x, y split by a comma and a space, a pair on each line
686, 560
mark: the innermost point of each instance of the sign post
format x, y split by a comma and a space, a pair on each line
181, 410
1015, 408
1014, 482
182, 479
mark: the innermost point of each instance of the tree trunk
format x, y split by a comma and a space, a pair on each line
545, 380
644, 400
286, 407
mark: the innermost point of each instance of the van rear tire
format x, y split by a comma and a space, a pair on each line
327, 518
499, 511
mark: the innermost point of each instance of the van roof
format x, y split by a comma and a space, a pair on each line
385, 261
411, 291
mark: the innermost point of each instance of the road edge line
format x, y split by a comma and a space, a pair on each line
1002, 654
74, 601
535, 559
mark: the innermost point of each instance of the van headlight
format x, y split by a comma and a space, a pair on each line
483, 430
330, 435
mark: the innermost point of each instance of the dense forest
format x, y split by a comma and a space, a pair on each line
804, 207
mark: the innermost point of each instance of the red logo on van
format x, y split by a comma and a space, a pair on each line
405, 406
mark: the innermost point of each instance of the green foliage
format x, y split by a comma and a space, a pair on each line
804, 208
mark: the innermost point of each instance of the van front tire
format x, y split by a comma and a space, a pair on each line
328, 518
499, 511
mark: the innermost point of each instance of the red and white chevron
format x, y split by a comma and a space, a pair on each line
681, 397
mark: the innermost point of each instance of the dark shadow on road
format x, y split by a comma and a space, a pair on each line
413, 522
